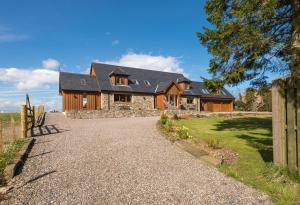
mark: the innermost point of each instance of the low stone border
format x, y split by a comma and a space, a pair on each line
14, 167
95, 114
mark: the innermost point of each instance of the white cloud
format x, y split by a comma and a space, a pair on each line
51, 64
115, 42
12, 37
8, 105
7, 35
26, 79
146, 61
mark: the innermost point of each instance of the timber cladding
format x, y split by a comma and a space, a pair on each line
72, 100
286, 122
216, 105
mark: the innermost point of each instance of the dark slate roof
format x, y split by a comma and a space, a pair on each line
162, 86
79, 82
135, 74
119, 71
183, 79
199, 89
139, 81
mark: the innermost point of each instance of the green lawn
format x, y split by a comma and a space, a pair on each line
5, 117
8, 155
251, 138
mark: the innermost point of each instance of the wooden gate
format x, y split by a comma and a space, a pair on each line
28, 117
286, 122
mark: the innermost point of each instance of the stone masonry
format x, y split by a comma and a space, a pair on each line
138, 102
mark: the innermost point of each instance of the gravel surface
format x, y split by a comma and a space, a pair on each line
119, 161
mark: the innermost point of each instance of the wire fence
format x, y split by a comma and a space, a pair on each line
9, 131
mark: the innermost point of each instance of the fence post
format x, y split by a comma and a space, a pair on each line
13, 128
291, 124
298, 123
23, 121
279, 122
1, 136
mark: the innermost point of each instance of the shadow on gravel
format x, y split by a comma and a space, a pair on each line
48, 130
37, 178
44, 153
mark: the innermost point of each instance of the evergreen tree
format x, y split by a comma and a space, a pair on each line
250, 37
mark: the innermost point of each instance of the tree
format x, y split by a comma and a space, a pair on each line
250, 37
255, 99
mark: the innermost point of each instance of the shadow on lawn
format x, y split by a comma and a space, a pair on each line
246, 124
263, 142
263, 146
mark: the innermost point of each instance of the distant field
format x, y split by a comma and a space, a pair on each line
5, 117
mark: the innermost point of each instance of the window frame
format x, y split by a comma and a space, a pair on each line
84, 102
188, 100
119, 80
122, 98
187, 86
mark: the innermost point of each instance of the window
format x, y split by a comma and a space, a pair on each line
147, 82
122, 98
136, 82
120, 80
190, 100
84, 102
82, 81
205, 91
186, 86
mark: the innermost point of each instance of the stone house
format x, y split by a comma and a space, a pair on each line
110, 87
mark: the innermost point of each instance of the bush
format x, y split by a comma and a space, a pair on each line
163, 118
168, 125
183, 132
213, 142
175, 117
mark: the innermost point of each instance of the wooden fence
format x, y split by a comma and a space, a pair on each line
9, 128
30, 117
286, 122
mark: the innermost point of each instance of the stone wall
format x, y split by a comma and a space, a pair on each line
83, 114
195, 105
138, 102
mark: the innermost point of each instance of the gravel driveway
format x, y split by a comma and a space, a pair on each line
119, 161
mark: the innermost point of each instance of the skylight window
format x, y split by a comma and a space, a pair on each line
135, 81
205, 91
147, 82
82, 81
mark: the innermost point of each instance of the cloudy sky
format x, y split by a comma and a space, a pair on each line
39, 38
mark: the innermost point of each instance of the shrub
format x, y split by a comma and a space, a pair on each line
213, 142
183, 132
163, 118
168, 125
175, 117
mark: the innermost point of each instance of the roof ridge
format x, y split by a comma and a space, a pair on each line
120, 66
73, 73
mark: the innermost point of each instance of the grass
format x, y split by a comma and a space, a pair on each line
8, 155
5, 117
251, 138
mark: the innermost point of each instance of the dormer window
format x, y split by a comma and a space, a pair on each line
120, 80
184, 83
187, 86
119, 77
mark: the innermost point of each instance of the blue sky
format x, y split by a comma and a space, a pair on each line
37, 38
